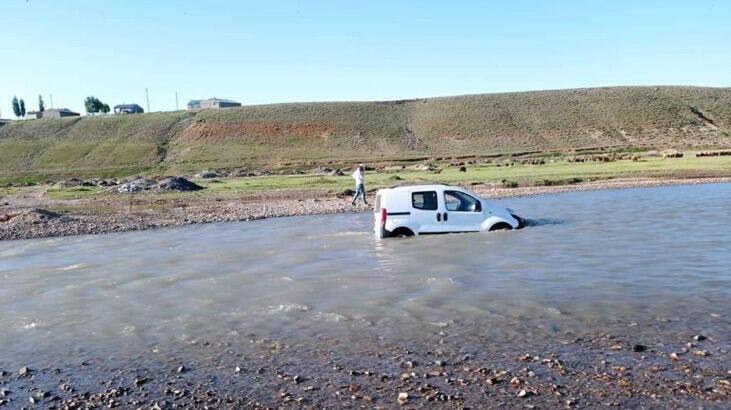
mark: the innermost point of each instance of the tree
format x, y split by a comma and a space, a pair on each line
105, 108
90, 104
16, 107
41, 106
22, 108
93, 105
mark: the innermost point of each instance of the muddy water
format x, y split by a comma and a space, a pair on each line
635, 261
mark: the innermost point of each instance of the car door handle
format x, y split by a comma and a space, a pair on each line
446, 217
439, 217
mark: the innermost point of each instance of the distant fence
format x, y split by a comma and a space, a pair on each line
713, 154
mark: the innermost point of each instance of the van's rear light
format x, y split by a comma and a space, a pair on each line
384, 215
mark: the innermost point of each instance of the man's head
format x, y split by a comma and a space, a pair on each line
361, 167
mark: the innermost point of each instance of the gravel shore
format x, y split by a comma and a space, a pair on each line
445, 371
30, 215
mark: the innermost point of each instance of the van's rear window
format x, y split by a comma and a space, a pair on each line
424, 200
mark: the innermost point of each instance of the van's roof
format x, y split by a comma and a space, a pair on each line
411, 187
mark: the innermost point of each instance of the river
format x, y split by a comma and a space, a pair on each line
641, 263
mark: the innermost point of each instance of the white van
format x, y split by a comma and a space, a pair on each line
430, 209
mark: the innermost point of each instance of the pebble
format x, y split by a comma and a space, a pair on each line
699, 338
24, 371
639, 348
403, 398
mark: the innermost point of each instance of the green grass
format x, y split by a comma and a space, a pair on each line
524, 174
72, 192
557, 173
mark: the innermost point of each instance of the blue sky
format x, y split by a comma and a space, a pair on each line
282, 51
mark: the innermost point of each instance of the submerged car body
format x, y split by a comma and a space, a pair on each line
432, 209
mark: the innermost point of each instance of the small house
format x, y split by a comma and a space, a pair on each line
128, 109
194, 104
56, 113
212, 103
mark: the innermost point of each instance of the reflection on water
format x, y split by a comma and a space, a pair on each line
588, 261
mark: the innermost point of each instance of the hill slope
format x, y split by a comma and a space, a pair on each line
272, 136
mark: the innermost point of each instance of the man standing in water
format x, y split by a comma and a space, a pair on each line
359, 177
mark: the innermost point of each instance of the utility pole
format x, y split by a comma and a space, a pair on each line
147, 97
176, 101
51, 98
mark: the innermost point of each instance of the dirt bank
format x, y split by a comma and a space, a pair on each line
31, 214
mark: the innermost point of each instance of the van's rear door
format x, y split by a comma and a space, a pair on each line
377, 214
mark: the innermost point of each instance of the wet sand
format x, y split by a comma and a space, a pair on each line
26, 215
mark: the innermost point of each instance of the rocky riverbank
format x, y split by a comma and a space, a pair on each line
30, 214
447, 370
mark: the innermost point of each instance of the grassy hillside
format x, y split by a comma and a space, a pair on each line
308, 134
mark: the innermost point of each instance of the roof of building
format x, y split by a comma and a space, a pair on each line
122, 106
216, 99
66, 110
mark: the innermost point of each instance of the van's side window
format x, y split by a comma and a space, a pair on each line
424, 200
460, 202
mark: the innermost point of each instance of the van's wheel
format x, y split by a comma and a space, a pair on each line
501, 226
402, 232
